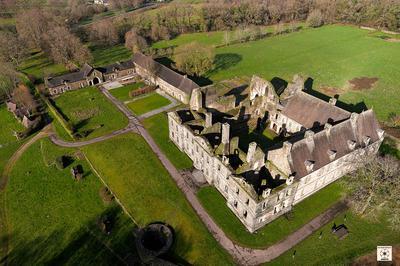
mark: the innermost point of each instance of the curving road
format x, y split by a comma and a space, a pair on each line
242, 255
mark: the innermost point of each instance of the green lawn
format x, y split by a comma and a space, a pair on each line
363, 238
90, 112
145, 188
53, 218
148, 103
215, 204
122, 93
157, 126
8, 143
109, 55
39, 66
330, 55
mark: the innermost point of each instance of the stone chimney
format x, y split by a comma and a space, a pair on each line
353, 119
287, 146
196, 100
309, 136
208, 119
251, 152
333, 101
225, 133
328, 128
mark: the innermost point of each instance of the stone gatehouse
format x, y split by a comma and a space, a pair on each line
261, 183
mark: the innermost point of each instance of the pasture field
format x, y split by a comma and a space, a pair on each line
53, 218
215, 204
8, 143
331, 55
157, 126
122, 93
90, 112
145, 188
363, 238
148, 103
40, 66
109, 55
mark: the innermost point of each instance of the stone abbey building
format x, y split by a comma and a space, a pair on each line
261, 180
178, 86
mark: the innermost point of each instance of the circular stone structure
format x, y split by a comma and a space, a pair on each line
155, 239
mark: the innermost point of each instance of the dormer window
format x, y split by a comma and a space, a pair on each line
366, 140
289, 180
237, 191
351, 144
309, 165
332, 154
247, 202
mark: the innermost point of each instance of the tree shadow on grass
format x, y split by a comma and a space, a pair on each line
86, 246
350, 107
225, 61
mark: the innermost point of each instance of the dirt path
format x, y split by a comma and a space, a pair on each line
4, 178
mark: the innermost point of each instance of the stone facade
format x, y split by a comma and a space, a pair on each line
178, 86
260, 185
89, 76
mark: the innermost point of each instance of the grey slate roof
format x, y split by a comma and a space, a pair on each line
85, 71
116, 66
308, 110
317, 150
52, 82
177, 80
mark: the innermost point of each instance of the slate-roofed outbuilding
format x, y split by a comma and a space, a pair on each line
52, 82
181, 82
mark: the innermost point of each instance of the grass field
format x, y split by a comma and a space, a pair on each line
331, 55
90, 112
157, 126
145, 188
39, 66
109, 55
146, 104
363, 238
8, 143
305, 211
53, 219
122, 93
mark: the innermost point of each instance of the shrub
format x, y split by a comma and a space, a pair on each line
106, 195
315, 19
61, 162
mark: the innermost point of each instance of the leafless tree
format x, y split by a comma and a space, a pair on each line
375, 188
8, 79
12, 48
104, 33
65, 48
135, 42
23, 97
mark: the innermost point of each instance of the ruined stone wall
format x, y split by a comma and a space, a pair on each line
253, 213
278, 122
